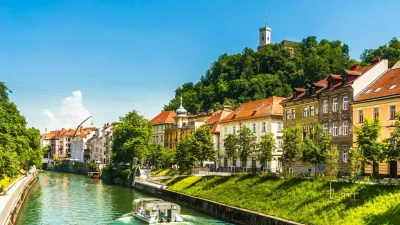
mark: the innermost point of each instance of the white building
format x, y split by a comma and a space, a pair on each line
99, 145
260, 116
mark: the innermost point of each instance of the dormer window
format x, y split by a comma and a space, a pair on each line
313, 90
294, 94
345, 78
330, 83
307, 92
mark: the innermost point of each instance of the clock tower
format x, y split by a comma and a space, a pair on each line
264, 36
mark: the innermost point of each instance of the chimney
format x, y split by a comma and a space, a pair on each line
376, 60
354, 66
227, 107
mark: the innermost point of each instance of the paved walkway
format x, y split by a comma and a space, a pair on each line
8, 200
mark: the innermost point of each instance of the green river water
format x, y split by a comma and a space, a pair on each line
63, 198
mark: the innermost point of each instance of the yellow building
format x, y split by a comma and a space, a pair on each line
381, 99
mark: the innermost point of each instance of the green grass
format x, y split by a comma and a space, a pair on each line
168, 172
298, 200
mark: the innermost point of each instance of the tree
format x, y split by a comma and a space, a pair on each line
131, 139
317, 146
231, 146
390, 52
292, 144
355, 162
168, 157
367, 140
186, 152
246, 143
204, 137
266, 147
332, 162
154, 156
393, 150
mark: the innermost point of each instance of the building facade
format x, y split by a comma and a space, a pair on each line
335, 112
381, 99
159, 123
260, 116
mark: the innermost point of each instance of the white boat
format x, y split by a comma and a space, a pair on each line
154, 211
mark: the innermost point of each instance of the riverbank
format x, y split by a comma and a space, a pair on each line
12, 200
298, 200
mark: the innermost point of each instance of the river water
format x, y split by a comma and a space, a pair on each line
63, 198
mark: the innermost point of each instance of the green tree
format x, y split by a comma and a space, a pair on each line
367, 140
390, 52
186, 152
154, 156
266, 147
332, 162
393, 148
168, 157
292, 144
246, 143
356, 160
131, 139
231, 146
204, 137
317, 146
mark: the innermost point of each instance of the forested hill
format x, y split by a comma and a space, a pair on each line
251, 75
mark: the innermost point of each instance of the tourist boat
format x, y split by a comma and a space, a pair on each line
94, 175
154, 211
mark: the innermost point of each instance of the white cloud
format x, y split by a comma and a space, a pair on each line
70, 115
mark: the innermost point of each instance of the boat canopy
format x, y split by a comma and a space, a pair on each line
162, 205
139, 200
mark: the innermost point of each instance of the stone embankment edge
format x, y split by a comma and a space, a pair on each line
17, 203
225, 212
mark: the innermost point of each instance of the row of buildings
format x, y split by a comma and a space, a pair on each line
339, 102
89, 144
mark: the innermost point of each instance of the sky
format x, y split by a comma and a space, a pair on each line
65, 60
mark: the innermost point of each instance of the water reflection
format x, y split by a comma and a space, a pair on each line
61, 198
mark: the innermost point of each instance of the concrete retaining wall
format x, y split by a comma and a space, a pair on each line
215, 209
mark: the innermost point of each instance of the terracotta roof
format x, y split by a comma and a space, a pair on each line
335, 76
299, 89
214, 118
164, 117
214, 128
263, 107
381, 86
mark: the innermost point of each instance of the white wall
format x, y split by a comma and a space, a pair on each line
363, 81
77, 149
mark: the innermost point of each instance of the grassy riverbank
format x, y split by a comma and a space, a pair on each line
5, 182
298, 200
168, 172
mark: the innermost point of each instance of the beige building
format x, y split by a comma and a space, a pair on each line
159, 122
260, 116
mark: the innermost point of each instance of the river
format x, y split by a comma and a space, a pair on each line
63, 198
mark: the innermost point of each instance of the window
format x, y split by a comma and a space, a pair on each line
263, 128
376, 113
361, 116
368, 91
345, 155
293, 114
392, 112
312, 110
345, 102
393, 86
304, 112
335, 105
377, 90
335, 129
234, 130
254, 127
225, 131
287, 115
279, 126
345, 128
325, 106
325, 128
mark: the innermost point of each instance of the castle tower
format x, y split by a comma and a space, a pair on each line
264, 36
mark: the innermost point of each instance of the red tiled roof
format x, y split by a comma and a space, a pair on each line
335, 76
385, 82
214, 118
164, 117
263, 107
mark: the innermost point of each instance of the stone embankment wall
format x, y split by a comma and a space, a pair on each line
9, 213
215, 209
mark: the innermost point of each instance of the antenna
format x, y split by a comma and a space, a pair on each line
266, 19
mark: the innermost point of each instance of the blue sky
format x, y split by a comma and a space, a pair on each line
124, 55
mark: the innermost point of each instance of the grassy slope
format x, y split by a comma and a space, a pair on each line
298, 200
5, 182
168, 172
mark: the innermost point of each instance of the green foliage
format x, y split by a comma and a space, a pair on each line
292, 143
250, 75
204, 137
390, 52
266, 147
355, 162
393, 150
154, 156
187, 151
317, 146
246, 143
332, 162
169, 172
131, 139
231, 146
299, 200
367, 141
19, 145
168, 157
